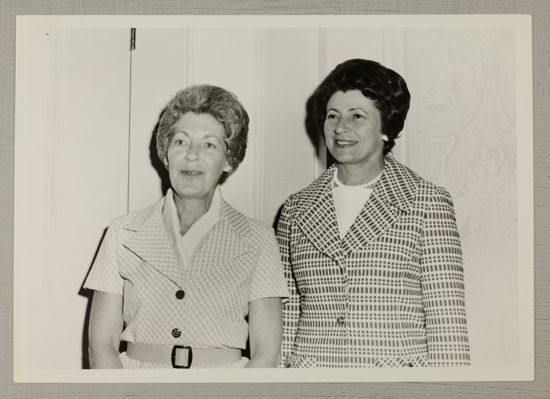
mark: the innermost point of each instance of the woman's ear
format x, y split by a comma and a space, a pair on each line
227, 168
385, 138
165, 162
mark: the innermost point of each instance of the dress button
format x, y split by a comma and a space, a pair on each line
340, 320
180, 294
176, 333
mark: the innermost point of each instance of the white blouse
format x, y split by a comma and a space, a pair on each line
349, 200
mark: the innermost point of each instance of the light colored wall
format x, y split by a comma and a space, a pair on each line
88, 137
71, 179
253, 64
462, 135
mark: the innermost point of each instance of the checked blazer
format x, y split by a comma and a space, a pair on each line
390, 293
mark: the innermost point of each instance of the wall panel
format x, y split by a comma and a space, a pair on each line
160, 67
66, 194
462, 135
290, 76
231, 58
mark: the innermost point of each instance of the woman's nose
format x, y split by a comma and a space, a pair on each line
192, 152
342, 126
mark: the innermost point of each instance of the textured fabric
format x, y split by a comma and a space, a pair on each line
129, 363
190, 241
237, 262
390, 293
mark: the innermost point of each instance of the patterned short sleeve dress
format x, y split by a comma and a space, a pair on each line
187, 294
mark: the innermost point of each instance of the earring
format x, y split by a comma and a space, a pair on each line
385, 138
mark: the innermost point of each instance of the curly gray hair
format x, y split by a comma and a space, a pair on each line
223, 105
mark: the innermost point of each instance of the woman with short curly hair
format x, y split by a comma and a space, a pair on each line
178, 280
215, 101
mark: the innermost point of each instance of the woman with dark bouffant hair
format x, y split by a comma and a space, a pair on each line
178, 279
371, 250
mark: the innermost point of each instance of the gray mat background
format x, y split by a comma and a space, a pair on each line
539, 9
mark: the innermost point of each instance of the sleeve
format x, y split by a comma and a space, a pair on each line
291, 309
442, 282
268, 278
104, 274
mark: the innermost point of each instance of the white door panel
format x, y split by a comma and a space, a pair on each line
71, 172
160, 67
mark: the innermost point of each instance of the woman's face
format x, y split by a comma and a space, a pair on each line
353, 129
196, 155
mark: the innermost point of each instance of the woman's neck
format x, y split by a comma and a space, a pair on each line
355, 174
191, 209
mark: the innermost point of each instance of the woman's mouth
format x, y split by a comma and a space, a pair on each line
191, 172
344, 143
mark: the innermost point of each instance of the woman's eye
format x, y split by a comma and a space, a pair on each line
179, 141
211, 146
331, 116
357, 116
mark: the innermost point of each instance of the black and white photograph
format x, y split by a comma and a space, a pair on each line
319, 198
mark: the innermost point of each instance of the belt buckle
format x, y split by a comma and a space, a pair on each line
189, 356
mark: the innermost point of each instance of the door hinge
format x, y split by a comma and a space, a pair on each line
132, 39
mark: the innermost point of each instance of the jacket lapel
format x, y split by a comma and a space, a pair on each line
230, 236
150, 242
317, 216
228, 239
391, 198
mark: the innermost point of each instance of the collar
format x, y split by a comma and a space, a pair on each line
151, 241
150, 218
201, 226
316, 215
396, 186
187, 243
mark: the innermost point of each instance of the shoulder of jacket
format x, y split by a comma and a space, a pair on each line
135, 218
432, 194
422, 190
316, 188
243, 224
257, 227
432, 188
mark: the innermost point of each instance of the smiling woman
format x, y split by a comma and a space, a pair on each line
371, 250
196, 156
177, 280
353, 133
